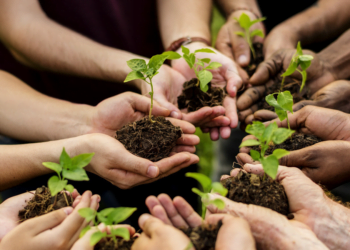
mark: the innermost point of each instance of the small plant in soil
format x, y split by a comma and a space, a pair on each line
55, 197
150, 138
118, 238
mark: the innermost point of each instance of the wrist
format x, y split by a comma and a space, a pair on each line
247, 5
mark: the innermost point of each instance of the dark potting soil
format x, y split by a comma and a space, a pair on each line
253, 189
193, 98
109, 244
43, 203
298, 141
254, 62
204, 236
150, 140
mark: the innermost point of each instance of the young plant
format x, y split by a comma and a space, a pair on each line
146, 72
298, 59
208, 186
245, 23
283, 104
265, 136
68, 169
200, 66
110, 217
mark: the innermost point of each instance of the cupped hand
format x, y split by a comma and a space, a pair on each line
157, 235
234, 46
56, 230
125, 170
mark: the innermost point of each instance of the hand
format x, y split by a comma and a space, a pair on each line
9, 210
56, 230
234, 46
157, 235
125, 170
227, 75
177, 213
234, 233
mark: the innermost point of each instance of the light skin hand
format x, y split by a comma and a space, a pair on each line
56, 230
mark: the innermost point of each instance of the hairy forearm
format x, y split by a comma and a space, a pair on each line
228, 6
31, 116
183, 18
324, 20
39, 42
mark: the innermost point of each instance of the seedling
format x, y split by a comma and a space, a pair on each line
208, 186
298, 59
146, 72
283, 104
200, 67
110, 217
265, 136
245, 23
67, 169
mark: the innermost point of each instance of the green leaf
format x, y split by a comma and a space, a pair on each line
220, 204
65, 160
217, 187
96, 237
69, 188
281, 134
240, 33
270, 99
279, 153
249, 143
269, 130
172, 55
257, 129
214, 65
281, 114
205, 50
53, 166
257, 33
77, 174
192, 58
200, 63
156, 62
299, 49
244, 21
137, 64
270, 165
56, 185
150, 72
82, 160
255, 155
103, 216
120, 214
291, 68
285, 101
204, 180
257, 21
304, 77
188, 60
306, 58
204, 77
84, 231
121, 232
304, 64
205, 60
197, 191
134, 75
185, 50
87, 213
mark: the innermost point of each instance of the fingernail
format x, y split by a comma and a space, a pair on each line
98, 198
152, 171
174, 114
68, 210
243, 59
143, 219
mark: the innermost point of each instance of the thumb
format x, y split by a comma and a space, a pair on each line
304, 103
295, 158
240, 49
174, 111
149, 224
266, 70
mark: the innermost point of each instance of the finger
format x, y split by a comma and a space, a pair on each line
264, 115
225, 132
267, 70
248, 120
297, 158
171, 212
186, 211
160, 213
204, 115
234, 81
244, 158
185, 126
250, 96
234, 172
304, 103
175, 112
223, 42
143, 104
240, 48
189, 140
76, 201
183, 148
223, 177
220, 121
214, 134
205, 130
151, 202
231, 110
150, 225
243, 115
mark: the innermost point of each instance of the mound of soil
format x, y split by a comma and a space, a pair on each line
109, 244
193, 98
149, 140
204, 236
254, 62
298, 141
253, 189
43, 203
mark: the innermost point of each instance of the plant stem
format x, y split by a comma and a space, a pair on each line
204, 211
282, 84
150, 110
250, 43
65, 197
288, 121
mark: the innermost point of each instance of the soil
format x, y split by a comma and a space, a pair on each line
259, 58
152, 141
193, 98
111, 245
257, 190
298, 141
204, 236
43, 203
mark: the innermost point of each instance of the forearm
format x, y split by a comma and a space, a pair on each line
31, 116
229, 6
183, 18
39, 42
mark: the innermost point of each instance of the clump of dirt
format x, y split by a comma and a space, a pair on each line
254, 62
120, 244
257, 190
298, 141
193, 98
204, 236
150, 140
43, 203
